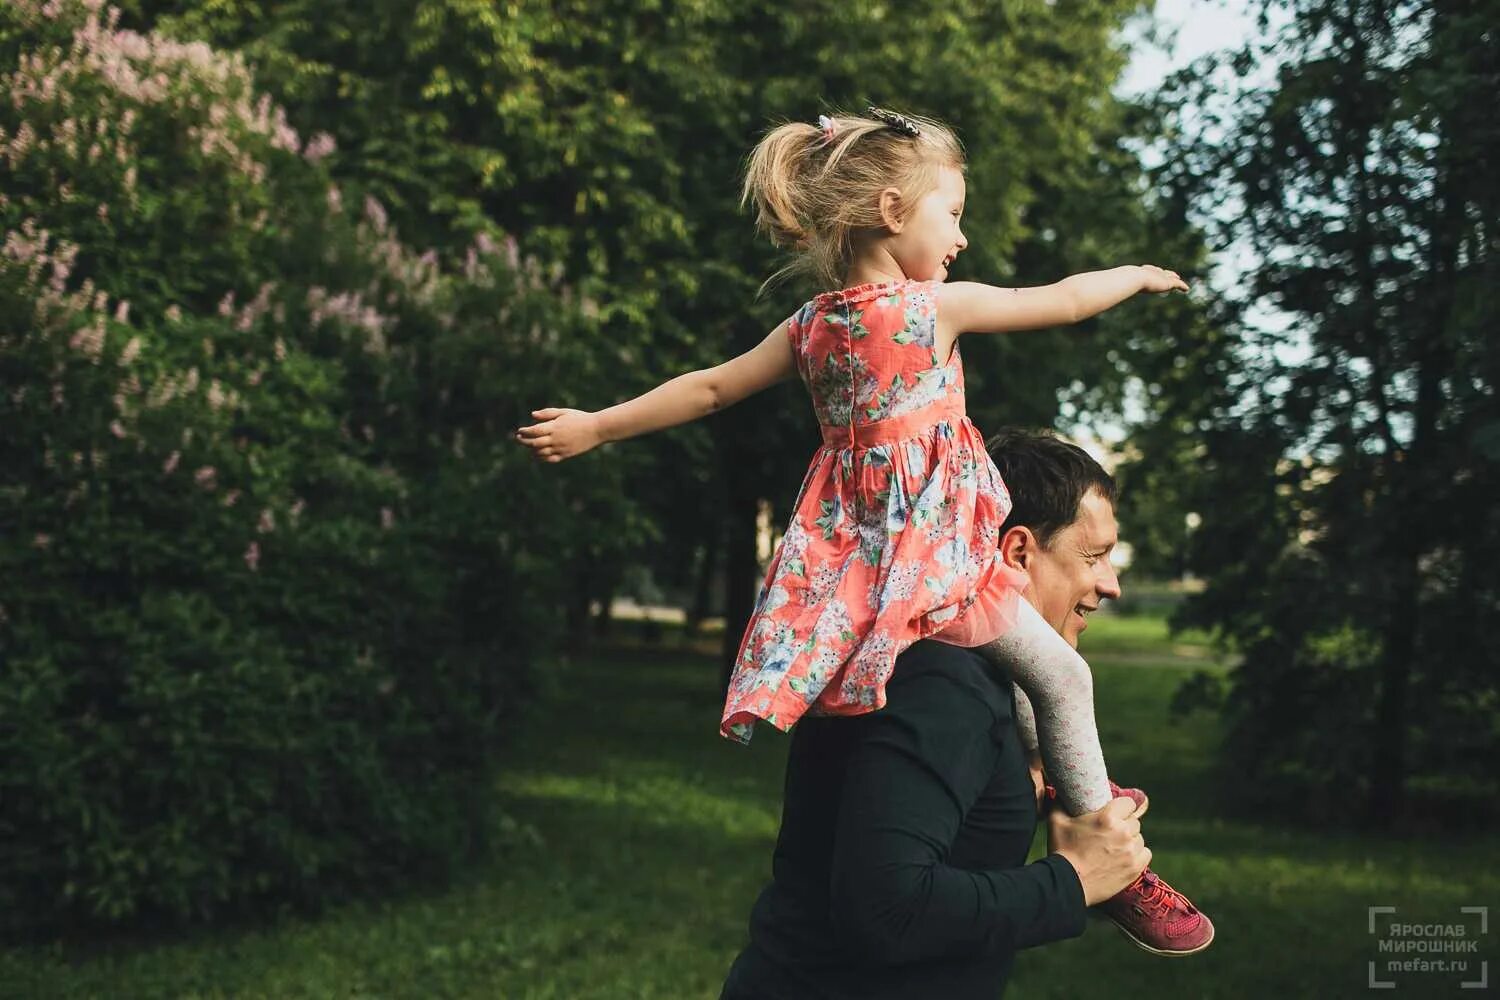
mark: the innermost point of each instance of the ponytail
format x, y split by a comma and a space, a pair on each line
815, 188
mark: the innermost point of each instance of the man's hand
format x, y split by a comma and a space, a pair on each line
561, 434
1104, 847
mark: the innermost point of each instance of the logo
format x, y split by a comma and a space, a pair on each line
1450, 949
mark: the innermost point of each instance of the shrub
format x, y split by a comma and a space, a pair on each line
263, 529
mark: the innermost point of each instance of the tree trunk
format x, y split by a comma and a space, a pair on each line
741, 571
604, 593
1411, 529
577, 612
708, 565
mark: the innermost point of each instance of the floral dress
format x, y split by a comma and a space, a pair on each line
894, 536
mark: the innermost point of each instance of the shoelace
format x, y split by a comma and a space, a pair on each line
1158, 894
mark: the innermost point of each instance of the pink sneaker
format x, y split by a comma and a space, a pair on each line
1158, 918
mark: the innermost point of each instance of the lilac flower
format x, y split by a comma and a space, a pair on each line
318, 147
375, 212
89, 340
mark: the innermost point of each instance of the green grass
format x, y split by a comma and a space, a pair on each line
636, 840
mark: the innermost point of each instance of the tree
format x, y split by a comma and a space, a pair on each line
258, 634
609, 136
1351, 455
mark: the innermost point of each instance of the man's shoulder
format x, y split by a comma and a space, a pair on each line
953, 672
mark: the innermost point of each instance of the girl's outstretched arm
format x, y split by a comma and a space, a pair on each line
970, 307
561, 433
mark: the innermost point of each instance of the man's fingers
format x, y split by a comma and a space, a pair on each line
551, 413
1133, 812
1117, 810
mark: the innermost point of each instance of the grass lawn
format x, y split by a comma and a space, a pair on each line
637, 839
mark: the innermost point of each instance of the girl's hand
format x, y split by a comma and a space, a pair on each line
560, 434
1156, 279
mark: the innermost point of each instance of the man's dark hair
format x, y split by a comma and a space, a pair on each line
1048, 479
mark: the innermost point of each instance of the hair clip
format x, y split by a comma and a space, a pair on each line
828, 126
892, 120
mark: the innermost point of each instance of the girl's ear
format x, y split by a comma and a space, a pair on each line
890, 209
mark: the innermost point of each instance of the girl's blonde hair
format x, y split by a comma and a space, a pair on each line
813, 192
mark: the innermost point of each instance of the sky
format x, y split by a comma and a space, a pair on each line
1183, 30
1191, 28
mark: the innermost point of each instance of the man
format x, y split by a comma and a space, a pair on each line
900, 868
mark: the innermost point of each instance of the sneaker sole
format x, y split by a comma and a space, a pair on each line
1159, 951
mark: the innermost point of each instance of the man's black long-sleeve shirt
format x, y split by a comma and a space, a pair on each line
900, 868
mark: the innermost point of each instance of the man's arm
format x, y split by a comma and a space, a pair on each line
923, 761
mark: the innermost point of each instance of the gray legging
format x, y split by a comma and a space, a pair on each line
1054, 701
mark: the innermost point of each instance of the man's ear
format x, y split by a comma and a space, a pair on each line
1017, 547
890, 209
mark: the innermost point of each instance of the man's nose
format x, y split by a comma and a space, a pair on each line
963, 241
1108, 584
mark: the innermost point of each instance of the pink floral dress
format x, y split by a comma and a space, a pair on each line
895, 532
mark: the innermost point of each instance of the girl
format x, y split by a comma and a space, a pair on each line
895, 531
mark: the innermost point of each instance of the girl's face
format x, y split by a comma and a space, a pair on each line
930, 238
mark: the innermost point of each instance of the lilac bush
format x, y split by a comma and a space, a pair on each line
258, 627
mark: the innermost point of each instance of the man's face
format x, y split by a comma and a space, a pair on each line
1072, 575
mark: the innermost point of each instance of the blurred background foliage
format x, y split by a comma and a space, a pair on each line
279, 279
1347, 454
